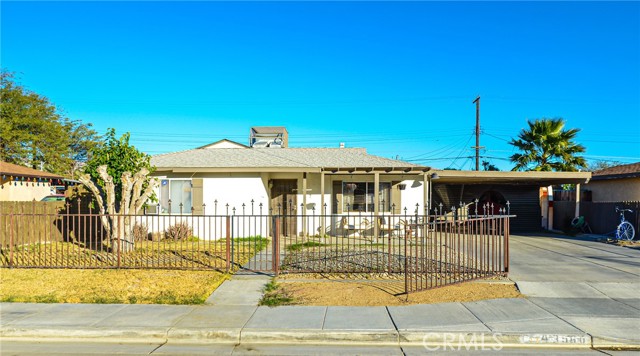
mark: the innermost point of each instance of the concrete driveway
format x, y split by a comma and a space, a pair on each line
555, 258
590, 285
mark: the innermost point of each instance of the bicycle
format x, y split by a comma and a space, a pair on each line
625, 230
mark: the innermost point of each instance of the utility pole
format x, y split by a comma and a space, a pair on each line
477, 146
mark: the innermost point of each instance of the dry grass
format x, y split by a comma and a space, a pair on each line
635, 244
108, 286
386, 293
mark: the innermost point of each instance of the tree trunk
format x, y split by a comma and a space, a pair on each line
119, 222
122, 233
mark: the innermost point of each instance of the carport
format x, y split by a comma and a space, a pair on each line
522, 190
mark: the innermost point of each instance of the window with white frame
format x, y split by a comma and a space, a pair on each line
359, 196
179, 192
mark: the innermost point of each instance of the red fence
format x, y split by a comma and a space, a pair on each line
418, 250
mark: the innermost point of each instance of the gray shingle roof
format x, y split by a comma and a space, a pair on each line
275, 158
622, 171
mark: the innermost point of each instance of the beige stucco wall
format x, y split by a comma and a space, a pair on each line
23, 192
615, 190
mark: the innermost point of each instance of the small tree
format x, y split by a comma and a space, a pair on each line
488, 166
598, 165
119, 193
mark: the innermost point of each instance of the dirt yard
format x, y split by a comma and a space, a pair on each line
387, 293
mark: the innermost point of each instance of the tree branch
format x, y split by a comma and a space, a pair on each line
138, 181
109, 189
153, 183
86, 180
127, 184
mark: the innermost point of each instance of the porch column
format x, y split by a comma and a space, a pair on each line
550, 211
376, 202
322, 211
304, 204
577, 200
426, 204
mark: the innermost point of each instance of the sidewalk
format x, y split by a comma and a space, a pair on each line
546, 322
589, 298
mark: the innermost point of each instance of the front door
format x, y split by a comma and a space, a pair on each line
284, 203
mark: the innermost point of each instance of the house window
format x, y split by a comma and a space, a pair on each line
359, 197
179, 191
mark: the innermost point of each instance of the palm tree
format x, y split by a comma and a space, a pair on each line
547, 146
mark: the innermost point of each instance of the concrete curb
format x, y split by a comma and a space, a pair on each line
615, 344
428, 339
340, 337
205, 335
493, 341
97, 334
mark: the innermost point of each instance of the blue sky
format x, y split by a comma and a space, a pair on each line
396, 78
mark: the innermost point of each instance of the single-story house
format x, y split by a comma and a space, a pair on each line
227, 177
20, 183
616, 184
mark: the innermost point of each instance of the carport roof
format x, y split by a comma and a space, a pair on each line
510, 177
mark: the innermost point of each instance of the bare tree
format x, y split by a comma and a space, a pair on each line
116, 216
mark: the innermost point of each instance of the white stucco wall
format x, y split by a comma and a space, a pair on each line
412, 195
236, 189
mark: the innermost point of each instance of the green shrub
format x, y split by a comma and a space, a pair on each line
300, 246
106, 300
49, 298
275, 296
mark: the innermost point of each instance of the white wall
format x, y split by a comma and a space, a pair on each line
236, 189
412, 195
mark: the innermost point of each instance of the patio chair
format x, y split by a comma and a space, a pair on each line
384, 227
579, 223
406, 228
399, 229
365, 226
345, 226
352, 229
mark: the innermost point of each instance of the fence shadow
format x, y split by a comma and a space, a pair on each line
79, 224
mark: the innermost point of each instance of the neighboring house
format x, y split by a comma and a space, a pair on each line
21, 183
270, 176
616, 184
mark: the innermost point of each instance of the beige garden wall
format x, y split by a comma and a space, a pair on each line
9, 191
617, 190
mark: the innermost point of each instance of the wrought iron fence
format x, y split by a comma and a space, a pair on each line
420, 250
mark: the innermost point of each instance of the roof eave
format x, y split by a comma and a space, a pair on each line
164, 170
510, 177
616, 176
